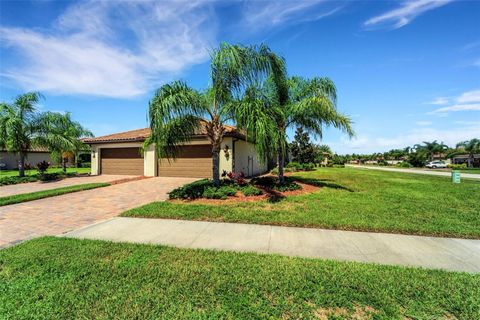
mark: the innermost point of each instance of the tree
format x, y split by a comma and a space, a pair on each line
178, 111
472, 147
22, 128
431, 148
301, 148
280, 102
63, 135
320, 151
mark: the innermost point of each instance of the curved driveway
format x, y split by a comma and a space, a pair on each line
60, 214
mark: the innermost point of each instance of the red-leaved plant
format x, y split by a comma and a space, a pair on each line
238, 178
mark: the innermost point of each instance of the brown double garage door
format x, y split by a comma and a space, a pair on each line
193, 161
124, 161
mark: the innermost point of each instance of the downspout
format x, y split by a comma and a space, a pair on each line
233, 154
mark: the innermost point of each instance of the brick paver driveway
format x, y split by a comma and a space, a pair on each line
57, 215
40, 186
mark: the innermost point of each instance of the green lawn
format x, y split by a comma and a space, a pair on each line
353, 199
56, 278
10, 173
48, 193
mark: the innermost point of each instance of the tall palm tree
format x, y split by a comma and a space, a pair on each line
22, 128
178, 111
472, 147
279, 103
431, 148
62, 135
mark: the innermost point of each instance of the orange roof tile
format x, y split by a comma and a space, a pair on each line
142, 134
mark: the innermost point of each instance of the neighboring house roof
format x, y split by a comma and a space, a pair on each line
139, 135
33, 149
465, 156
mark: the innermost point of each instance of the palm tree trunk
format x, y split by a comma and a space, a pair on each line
280, 160
21, 165
216, 164
64, 164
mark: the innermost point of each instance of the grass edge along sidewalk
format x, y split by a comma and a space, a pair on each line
24, 197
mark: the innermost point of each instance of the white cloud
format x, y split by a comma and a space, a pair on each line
459, 107
371, 143
261, 14
423, 123
404, 14
114, 49
439, 101
469, 97
467, 101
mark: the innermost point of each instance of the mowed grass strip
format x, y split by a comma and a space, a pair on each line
49, 193
352, 199
32, 172
59, 278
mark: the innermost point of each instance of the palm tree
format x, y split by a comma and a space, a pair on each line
279, 103
22, 128
19, 125
472, 147
431, 148
178, 111
62, 135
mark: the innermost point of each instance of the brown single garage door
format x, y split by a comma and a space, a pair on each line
126, 161
192, 161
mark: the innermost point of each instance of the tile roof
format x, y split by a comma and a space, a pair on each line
139, 135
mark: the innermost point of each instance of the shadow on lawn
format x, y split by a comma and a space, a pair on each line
321, 183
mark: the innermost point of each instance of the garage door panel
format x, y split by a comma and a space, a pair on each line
127, 161
192, 161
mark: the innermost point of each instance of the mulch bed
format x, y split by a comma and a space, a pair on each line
268, 194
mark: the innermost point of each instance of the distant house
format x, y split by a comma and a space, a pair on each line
463, 158
9, 160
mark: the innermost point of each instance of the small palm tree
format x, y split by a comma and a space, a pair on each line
281, 102
178, 111
62, 135
472, 147
22, 128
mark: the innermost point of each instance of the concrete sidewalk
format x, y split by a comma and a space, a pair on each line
431, 172
427, 252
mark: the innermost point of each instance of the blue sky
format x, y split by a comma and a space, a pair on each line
406, 71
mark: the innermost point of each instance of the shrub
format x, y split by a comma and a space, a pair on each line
274, 171
84, 165
457, 166
250, 190
49, 176
265, 181
295, 166
238, 178
308, 166
288, 185
42, 167
219, 193
15, 180
270, 182
382, 163
404, 164
192, 190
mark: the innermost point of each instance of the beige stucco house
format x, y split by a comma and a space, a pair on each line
9, 160
121, 153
